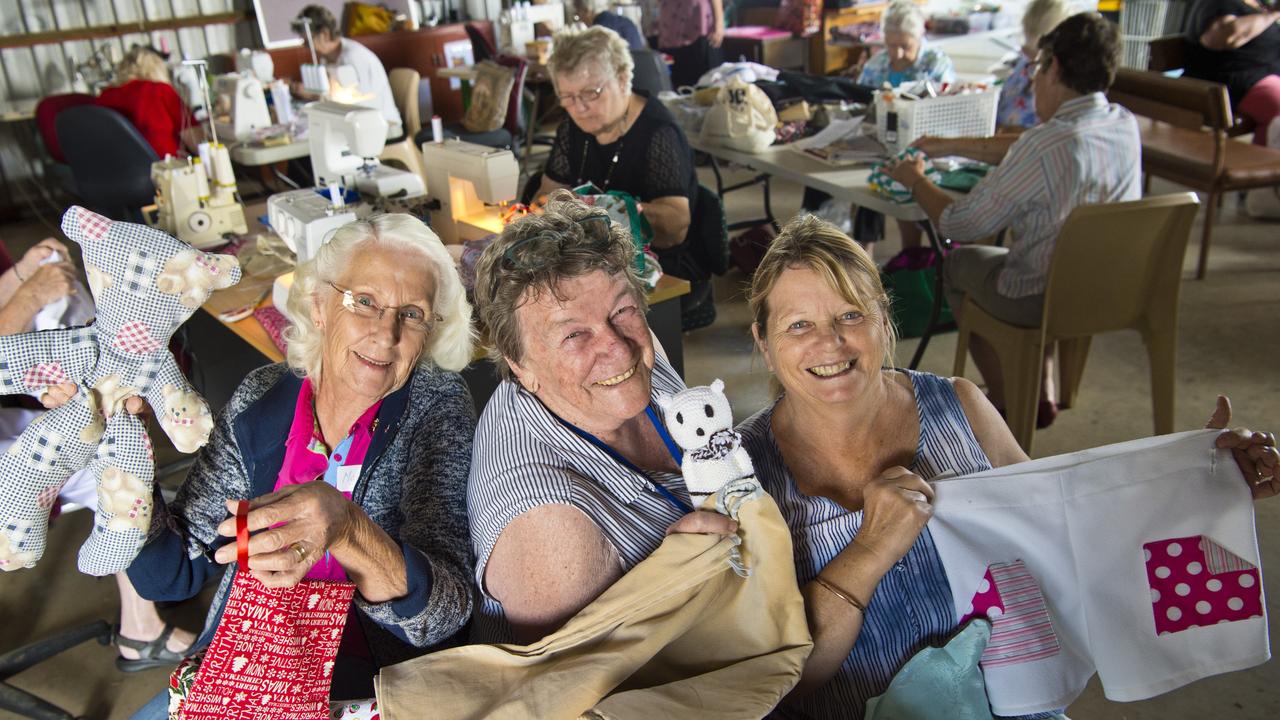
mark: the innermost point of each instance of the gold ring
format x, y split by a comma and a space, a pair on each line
299, 550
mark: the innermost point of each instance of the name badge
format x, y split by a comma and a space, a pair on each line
347, 477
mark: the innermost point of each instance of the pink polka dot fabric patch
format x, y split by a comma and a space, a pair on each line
1195, 582
1021, 631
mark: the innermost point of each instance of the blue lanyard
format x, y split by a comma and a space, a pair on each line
672, 448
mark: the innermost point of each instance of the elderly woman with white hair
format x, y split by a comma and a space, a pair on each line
622, 140
907, 58
355, 454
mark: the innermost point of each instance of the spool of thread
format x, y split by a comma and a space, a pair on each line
437, 129
206, 159
223, 175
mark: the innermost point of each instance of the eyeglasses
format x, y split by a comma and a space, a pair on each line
1040, 64
522, 250
410, 317
586, 97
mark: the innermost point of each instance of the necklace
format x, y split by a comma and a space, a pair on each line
617, 152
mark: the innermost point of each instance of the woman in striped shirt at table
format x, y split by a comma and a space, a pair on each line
846, 450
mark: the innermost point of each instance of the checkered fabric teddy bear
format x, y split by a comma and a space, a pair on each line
144, 284
701, 422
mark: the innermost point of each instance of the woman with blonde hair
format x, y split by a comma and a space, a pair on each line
142, 94
846, 451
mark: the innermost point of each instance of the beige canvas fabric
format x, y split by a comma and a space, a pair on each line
490, 93
683, 635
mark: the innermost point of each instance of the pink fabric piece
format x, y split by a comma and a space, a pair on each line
755, 32
1196, 582
986, 602
274, 322
1261, 105
306, 459
1021, 631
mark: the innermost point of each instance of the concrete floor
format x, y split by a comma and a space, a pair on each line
1228, 344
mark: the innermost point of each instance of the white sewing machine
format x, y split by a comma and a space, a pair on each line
257, 63
462, 178
305, 218
195, 200
241, 106
516, 24
346, 141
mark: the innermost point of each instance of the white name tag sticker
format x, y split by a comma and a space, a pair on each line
347, 477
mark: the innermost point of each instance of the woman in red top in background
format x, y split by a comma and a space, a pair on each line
144, 96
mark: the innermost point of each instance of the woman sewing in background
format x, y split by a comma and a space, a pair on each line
617, 139
1017, 109
144, 95
906, 59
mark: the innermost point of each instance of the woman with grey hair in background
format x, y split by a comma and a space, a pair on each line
622, 140
597, 13
355, 454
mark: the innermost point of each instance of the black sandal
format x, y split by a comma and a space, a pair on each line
151, 654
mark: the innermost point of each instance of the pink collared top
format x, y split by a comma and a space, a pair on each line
308, 458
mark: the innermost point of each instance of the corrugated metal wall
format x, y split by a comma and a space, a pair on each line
32, 72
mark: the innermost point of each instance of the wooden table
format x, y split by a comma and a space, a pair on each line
244, 345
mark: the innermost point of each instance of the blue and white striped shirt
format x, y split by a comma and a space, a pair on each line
912, 607
523, 457
1088, 152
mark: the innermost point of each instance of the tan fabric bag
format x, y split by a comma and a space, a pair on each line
490, 93
683, 635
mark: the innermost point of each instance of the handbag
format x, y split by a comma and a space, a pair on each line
273, 652
624, 209
741, 119
490, 93
909, 279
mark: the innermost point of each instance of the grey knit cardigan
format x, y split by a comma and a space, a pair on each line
413, 485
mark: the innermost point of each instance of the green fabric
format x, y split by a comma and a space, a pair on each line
939, 683
911, 293
963, 179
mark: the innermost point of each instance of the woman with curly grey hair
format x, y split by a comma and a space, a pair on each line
356, 454
571, 483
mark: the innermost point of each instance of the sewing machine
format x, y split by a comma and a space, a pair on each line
462, 178
257, 63
346, 141
241, 106
516, 24
305, 218
196, 200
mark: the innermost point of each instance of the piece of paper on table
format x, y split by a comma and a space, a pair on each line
842, 142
